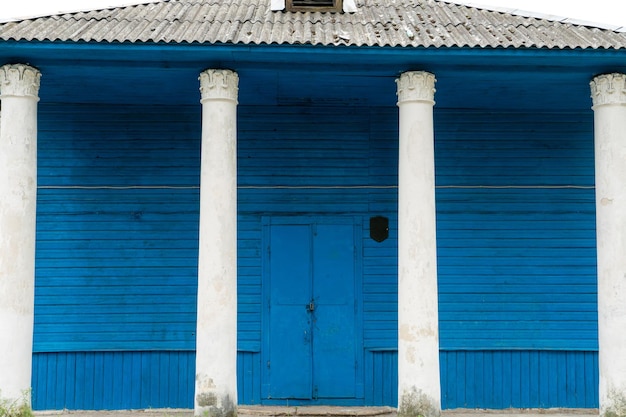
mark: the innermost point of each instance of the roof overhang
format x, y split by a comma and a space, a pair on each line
282, 74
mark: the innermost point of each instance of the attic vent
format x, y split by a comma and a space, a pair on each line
314, 5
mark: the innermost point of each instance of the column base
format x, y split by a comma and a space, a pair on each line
415, 403
208, 404
615, 404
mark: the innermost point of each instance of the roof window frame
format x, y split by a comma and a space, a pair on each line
336, 7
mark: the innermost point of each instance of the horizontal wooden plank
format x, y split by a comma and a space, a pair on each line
556, 298
516, 284
117, 308
108, 317
142, 330
120, 292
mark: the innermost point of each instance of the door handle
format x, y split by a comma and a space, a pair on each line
310, 307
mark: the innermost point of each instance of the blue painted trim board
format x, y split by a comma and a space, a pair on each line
470, 379
258, 54
519, 379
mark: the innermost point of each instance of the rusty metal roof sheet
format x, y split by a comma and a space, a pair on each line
406, 23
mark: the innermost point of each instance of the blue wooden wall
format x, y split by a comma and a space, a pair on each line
516, 259
117, 248
116, 263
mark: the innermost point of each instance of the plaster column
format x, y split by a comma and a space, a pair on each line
609, 104
216, 345
19, 88
419, 391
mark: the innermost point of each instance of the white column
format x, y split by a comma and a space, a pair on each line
216, 345
419, 391
19, 88
609, 104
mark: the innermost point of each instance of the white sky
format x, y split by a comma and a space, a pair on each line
609, 12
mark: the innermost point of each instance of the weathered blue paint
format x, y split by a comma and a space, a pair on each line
116, 264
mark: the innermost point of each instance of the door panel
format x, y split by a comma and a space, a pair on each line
333, 320
290, 324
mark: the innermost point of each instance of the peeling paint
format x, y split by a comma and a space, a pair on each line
606, 201
406, 333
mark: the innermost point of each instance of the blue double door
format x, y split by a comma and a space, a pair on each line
312, 331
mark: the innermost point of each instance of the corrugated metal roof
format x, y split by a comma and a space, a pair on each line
425, 23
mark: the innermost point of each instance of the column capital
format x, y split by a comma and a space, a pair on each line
608, 89
219, 84
416, 86
19, 80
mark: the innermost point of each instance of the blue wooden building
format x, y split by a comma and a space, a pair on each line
308, 228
